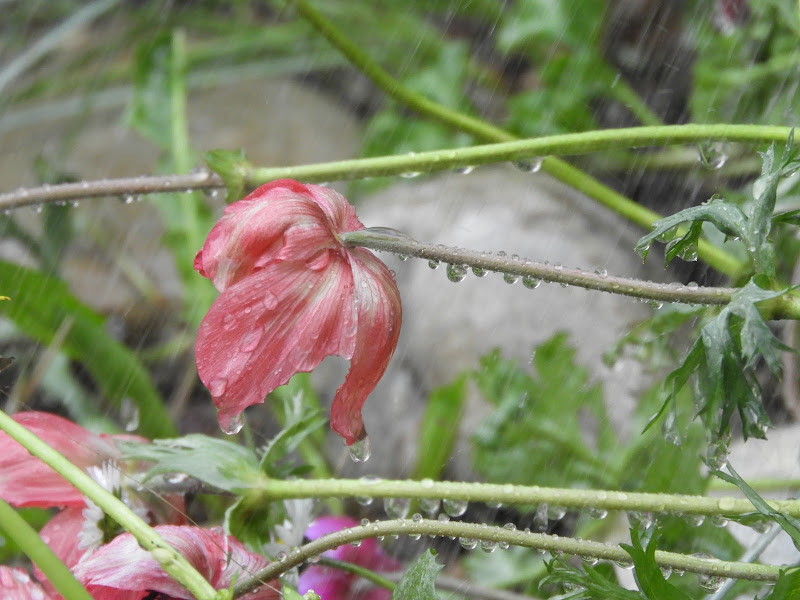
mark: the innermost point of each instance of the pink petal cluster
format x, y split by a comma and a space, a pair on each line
27, 481
291, 294
123, 570
16, 584
333, 584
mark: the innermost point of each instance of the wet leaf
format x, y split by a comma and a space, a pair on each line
649, 578
439, 429
221, 463
787, 587
588, 584
40, 306
419, 581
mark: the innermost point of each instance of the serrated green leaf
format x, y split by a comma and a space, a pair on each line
787, 587
595, 585
232, 166
221, 463
728, 218
419, 581
439, 428
649, 578
535, 434
789, 524
40, 306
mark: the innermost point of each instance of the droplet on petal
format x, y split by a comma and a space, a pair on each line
250, 340
270, 301
234, 425
217, 387
360, 451
228, 322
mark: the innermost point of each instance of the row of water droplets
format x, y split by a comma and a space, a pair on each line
528, 165
457, 272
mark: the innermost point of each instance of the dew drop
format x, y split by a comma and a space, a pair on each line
234, 425
430, 506
601, 272
713, 155
556, 513
479, 272
218, 386
270, 300
717, 521
726, 504
590, 560
455, 508
531, 282
695, 520
356, 543
531, 165
540, 518
456, 273
510, 278
360, 451
433, 263
710, 583
465, 170
410, 174
363, 500
228, 322
488, 546
250, 340
416, 517
364, 522
666, 571
402, 257
598, 513
397, 508
468, 543
643, 520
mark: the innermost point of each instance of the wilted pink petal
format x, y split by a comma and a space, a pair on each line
16, 584
122, 570
63, 534
293, 294
333, 584
27, 481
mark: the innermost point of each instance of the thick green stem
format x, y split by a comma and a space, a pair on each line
173, 562
16, 529
483, 532
487, 132
275, 489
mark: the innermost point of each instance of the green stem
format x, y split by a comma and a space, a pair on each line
173, 562
485, 131
483, 532
16, 529
275, 489
534, 272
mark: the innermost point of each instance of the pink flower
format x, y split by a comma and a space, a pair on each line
27, 481
292, 294
122, 570
16, 584
333, 584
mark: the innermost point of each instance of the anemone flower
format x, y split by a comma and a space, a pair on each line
26, 481
123, 570
333, 584
293, 293
16, 584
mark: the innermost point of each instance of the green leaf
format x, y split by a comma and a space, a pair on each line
789, 524
440, 428
232, 167
39, 307
649, 578
575, 23
419, 581
224, 464
787, 587
535, 433
592, 582
148, 111
726, 217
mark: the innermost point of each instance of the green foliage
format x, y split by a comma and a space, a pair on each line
439, 429
588, 584
723, 362
787, 587
534, 435
41, 305
649, 578
789, 524
221, 463
419, 581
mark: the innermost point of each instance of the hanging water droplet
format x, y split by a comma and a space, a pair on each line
540, 518
356, 543
598, 513
695, 520
361, 450
465, 170
365, 522
666, 571
713, 155
468, 543
556, 513
529, 165
643, 520
717, 521
590, 560
430, 506
488, 546
234, 425
710, 583
601, 272
397, 508
129, 413
507, 527
531, 282
454, 508
433, 263
456, 273
410, 174
479, 272
402, 257
363, 500
510, 278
